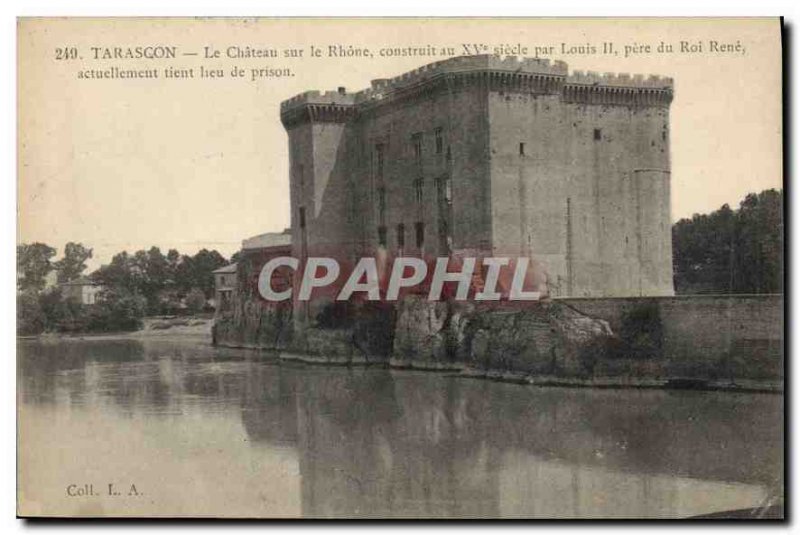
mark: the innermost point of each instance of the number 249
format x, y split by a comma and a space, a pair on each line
67, 53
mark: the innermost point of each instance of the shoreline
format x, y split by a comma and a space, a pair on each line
199, 330
455, 369
465, 371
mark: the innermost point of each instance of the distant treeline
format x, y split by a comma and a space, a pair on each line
726, 251
731, 251
134, 285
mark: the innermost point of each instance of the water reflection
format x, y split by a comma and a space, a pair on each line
226, 432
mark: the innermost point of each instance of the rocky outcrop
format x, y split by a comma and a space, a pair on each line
595, 342
539, 338
341, 333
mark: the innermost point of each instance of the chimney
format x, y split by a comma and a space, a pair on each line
342, 90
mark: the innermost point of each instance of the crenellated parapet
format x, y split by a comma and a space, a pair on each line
314, 106
612, 79
526, 75
534, 75
618, 89
485, 65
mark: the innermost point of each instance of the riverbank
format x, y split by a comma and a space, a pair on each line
689, 342
153, 327
465, 371
201, 334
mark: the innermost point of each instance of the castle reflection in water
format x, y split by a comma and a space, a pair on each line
386, 443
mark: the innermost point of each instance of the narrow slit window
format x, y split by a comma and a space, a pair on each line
416, 145
522, 149
382, 204
598, 134
419, 228
379, 160
401, 235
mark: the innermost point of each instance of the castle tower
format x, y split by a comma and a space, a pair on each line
498, 156
316, 126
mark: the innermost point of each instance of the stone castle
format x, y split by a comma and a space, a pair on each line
503, 157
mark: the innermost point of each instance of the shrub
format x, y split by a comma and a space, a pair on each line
642, 331
195, 300
115, 311
30, 316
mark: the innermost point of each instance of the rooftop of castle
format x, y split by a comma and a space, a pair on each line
464, 64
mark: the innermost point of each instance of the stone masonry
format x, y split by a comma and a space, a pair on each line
502, 157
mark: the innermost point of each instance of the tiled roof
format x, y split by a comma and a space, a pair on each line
268, 239
230, 268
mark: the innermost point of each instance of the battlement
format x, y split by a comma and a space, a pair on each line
511, 72
610, 79
339, 97
459, 65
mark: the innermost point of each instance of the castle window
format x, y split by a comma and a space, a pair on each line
419, 230
302, 217
597, 134
416, 145
401, 236
522, 149
418, 189
302, 176
382, 204
444, 189
439, 136
382, 236
379, 160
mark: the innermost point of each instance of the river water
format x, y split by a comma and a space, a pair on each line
174, 428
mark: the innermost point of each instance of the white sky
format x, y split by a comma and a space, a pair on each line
197, 163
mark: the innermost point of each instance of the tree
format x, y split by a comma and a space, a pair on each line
759, 264
732, 251
30, 317
33, 265
197, 271
74, 262
117, 274
161, 280
173, 260
203, 265
117, 311
195, 300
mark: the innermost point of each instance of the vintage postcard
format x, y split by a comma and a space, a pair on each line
400, 268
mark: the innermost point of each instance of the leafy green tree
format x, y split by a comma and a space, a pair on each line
195, 300
732, 251
73, 264
758, 266
197, 271
117, 311
173, 259
204, 263
30, 316
161, 280
33, 265
118, 273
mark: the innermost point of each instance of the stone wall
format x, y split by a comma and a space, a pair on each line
706, 337
585, 190
516, 158
713, 341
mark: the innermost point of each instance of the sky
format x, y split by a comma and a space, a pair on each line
193, 163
